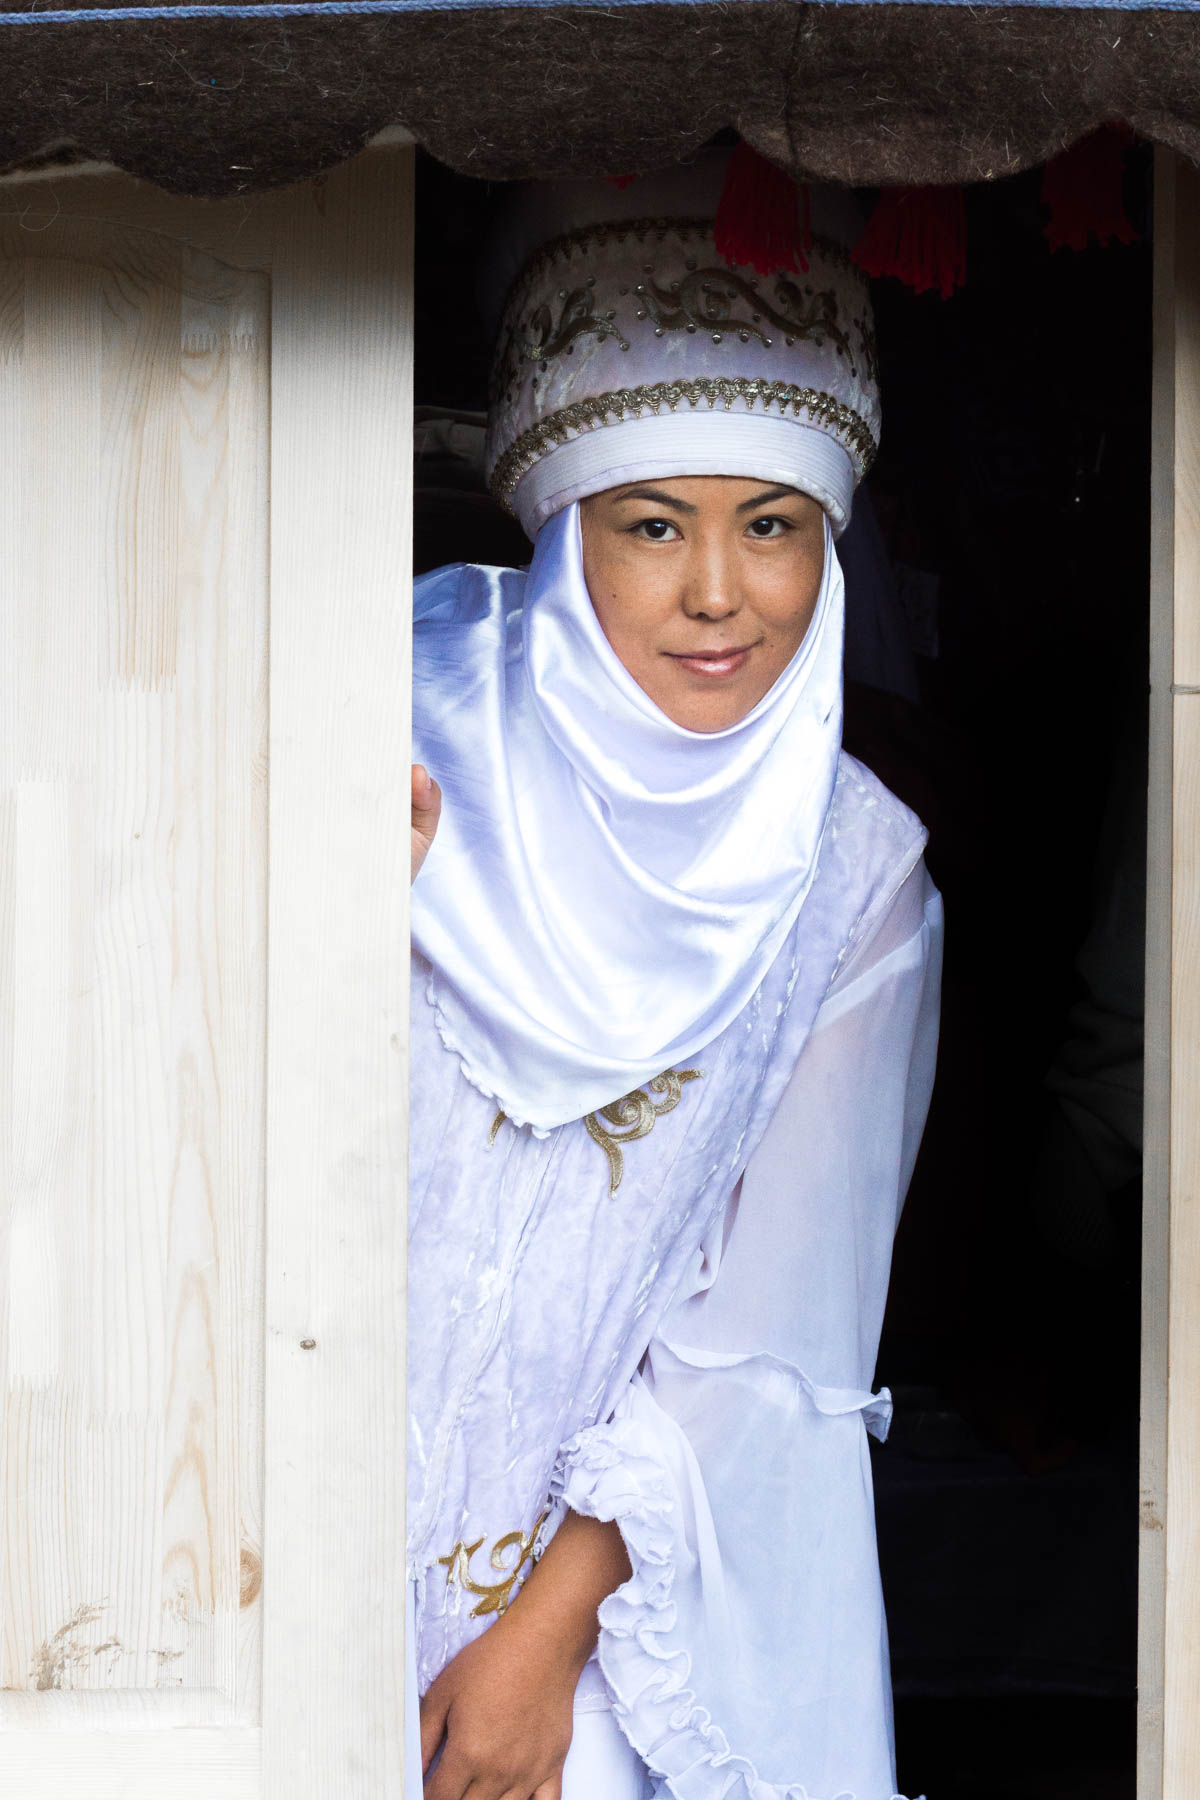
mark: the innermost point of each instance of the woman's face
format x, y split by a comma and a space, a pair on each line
704, 585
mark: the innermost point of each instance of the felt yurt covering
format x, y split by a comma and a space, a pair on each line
216, 99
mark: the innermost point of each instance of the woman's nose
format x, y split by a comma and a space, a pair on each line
710, 589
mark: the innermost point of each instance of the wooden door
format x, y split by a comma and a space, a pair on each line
1169, 1657
205, 429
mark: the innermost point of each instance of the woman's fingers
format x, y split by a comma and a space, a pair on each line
447, 1782
501, 1712
454, 1779
426, 799
426, 811
459, 1777
421, 785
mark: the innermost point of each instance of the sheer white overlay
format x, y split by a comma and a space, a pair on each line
747, 1657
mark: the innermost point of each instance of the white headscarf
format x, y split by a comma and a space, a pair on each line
607, 888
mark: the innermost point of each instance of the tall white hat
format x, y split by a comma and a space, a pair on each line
629, 347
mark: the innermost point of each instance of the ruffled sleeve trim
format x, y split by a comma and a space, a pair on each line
614, 1472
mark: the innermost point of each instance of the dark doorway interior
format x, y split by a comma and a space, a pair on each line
1002, 692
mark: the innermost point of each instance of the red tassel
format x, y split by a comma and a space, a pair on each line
620, 181
918, 234
1084, 190
758, 222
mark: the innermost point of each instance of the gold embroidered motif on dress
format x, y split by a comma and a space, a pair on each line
492, 1596
633, 1116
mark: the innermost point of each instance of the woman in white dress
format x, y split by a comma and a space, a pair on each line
673, 1032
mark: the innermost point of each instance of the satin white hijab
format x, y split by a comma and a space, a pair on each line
607, 889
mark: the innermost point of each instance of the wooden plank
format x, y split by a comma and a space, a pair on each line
57, 1471
240, 921
112, 1709
1181, 1715
160, 1159
337, 1074
133, 1765
54, 715
136, 767
1186, 290
212, 1467
8, 1051
1152, 1547
1169, 1677
134, 953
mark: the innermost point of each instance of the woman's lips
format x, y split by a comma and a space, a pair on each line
713, 663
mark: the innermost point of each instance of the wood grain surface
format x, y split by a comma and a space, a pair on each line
204, 627
1169, 1609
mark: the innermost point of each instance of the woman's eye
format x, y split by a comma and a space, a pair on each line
767, 527
657, 530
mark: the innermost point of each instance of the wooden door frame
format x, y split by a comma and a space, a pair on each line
1169, 1572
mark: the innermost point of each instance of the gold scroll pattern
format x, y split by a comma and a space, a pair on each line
633, 1116
492, 1596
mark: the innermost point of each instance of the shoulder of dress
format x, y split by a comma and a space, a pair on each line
867, 811
873, 844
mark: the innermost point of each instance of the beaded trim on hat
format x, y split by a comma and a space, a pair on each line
849, 427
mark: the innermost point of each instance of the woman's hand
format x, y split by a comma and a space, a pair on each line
426, 811
502, 1710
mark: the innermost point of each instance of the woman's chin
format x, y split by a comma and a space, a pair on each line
707, 701
706, 712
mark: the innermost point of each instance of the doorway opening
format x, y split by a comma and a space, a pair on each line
997, 581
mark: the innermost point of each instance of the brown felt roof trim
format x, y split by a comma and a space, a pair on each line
862, 94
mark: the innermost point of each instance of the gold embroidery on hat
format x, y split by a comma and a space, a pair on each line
540, 338
705, 299
870, 348
848, 426
635, 1116
492, 1596
533, 337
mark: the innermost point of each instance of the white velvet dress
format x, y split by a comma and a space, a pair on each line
668, 1315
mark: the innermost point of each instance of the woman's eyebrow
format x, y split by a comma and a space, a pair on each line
659, 499
775, 493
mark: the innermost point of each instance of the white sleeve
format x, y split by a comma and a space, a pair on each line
746, 1658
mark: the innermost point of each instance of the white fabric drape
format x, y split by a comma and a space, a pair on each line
607, 889
746, 1659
